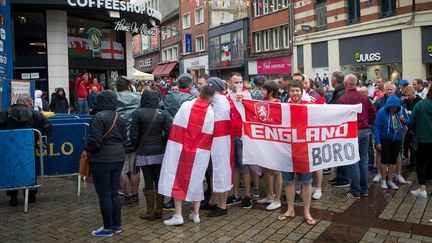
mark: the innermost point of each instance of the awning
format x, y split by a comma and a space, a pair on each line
170, 66
159, 69
142, 76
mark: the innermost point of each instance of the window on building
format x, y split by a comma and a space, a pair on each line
353, 11
284, 3
265, 6
286, 37
199, 43
256, 7
321, 14
274, 5
266, 41
174, 53
388, 8
163, 34
199, 16
168, 33
186, 21
174, 30
169, 55
164, 55
257, 41
276, 38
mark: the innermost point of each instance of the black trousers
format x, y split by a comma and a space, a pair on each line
14, 193
151, 175
424, 161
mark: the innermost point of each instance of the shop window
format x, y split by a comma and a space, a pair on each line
199, 16
388, 8
257, 41
186, 21
199, 42
266, 41
276, 39
353, 11
286, 40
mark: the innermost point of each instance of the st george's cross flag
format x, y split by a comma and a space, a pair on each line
187, 153
222, 150
299, 137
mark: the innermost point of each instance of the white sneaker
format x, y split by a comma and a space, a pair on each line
194, 218
377, 178
317, 193
392, 185
418, 193
274, 205
383, 184
174, 220
400, 179
265, 200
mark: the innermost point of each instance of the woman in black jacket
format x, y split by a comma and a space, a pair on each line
106, 157
150, 127
59, 102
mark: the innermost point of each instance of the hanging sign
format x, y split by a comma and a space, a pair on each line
133, 28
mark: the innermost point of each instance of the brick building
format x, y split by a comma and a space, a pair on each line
373, 37
270, 53
194, 25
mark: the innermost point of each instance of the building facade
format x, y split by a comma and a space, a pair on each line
270, 36
194, 25
57, 41
374, 37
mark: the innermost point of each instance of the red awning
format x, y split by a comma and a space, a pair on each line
159, 69
169, 67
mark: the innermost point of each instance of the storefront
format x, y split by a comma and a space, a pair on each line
55, 41
197, 66
228, 49
427, 49
147, 63
372, 55
271, 68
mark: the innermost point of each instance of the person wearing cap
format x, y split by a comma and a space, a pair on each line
257, 92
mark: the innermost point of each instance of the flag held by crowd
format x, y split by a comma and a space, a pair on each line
188, 152
299, 138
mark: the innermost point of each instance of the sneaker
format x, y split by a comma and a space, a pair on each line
13, 201
400, 179
418, 193
377, 178
383, 184
273, 206
169, 206
339, 184
317, 194
174, 220
365, 194
392, 185
298, 199
194, 218
233, 200
265, 201
327, 171
332, 181
247, 202
350, 195
101, 232
218, 212
116, 229
255, 192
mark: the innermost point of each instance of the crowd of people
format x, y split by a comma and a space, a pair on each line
130, 129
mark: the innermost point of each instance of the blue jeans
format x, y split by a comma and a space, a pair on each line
82, 106
106, 179
342, 174
359, 171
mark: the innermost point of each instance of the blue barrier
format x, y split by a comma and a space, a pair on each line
64, 147
70, 120
17, 158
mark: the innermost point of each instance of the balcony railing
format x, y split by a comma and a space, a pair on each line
321, 16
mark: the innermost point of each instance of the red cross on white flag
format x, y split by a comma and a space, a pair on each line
299, 138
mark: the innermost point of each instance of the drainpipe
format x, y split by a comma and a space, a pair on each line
291, 26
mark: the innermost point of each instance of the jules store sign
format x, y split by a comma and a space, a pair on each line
367, 57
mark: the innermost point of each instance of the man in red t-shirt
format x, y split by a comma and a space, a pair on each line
82, 91
304, 179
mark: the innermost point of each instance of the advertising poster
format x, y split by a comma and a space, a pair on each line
19, 87
5, 41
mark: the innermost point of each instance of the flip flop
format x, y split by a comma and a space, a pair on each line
310, 222
284, 217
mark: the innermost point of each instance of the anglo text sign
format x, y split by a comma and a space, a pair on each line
299, 138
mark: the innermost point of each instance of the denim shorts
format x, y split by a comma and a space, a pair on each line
238, 156
302, 178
